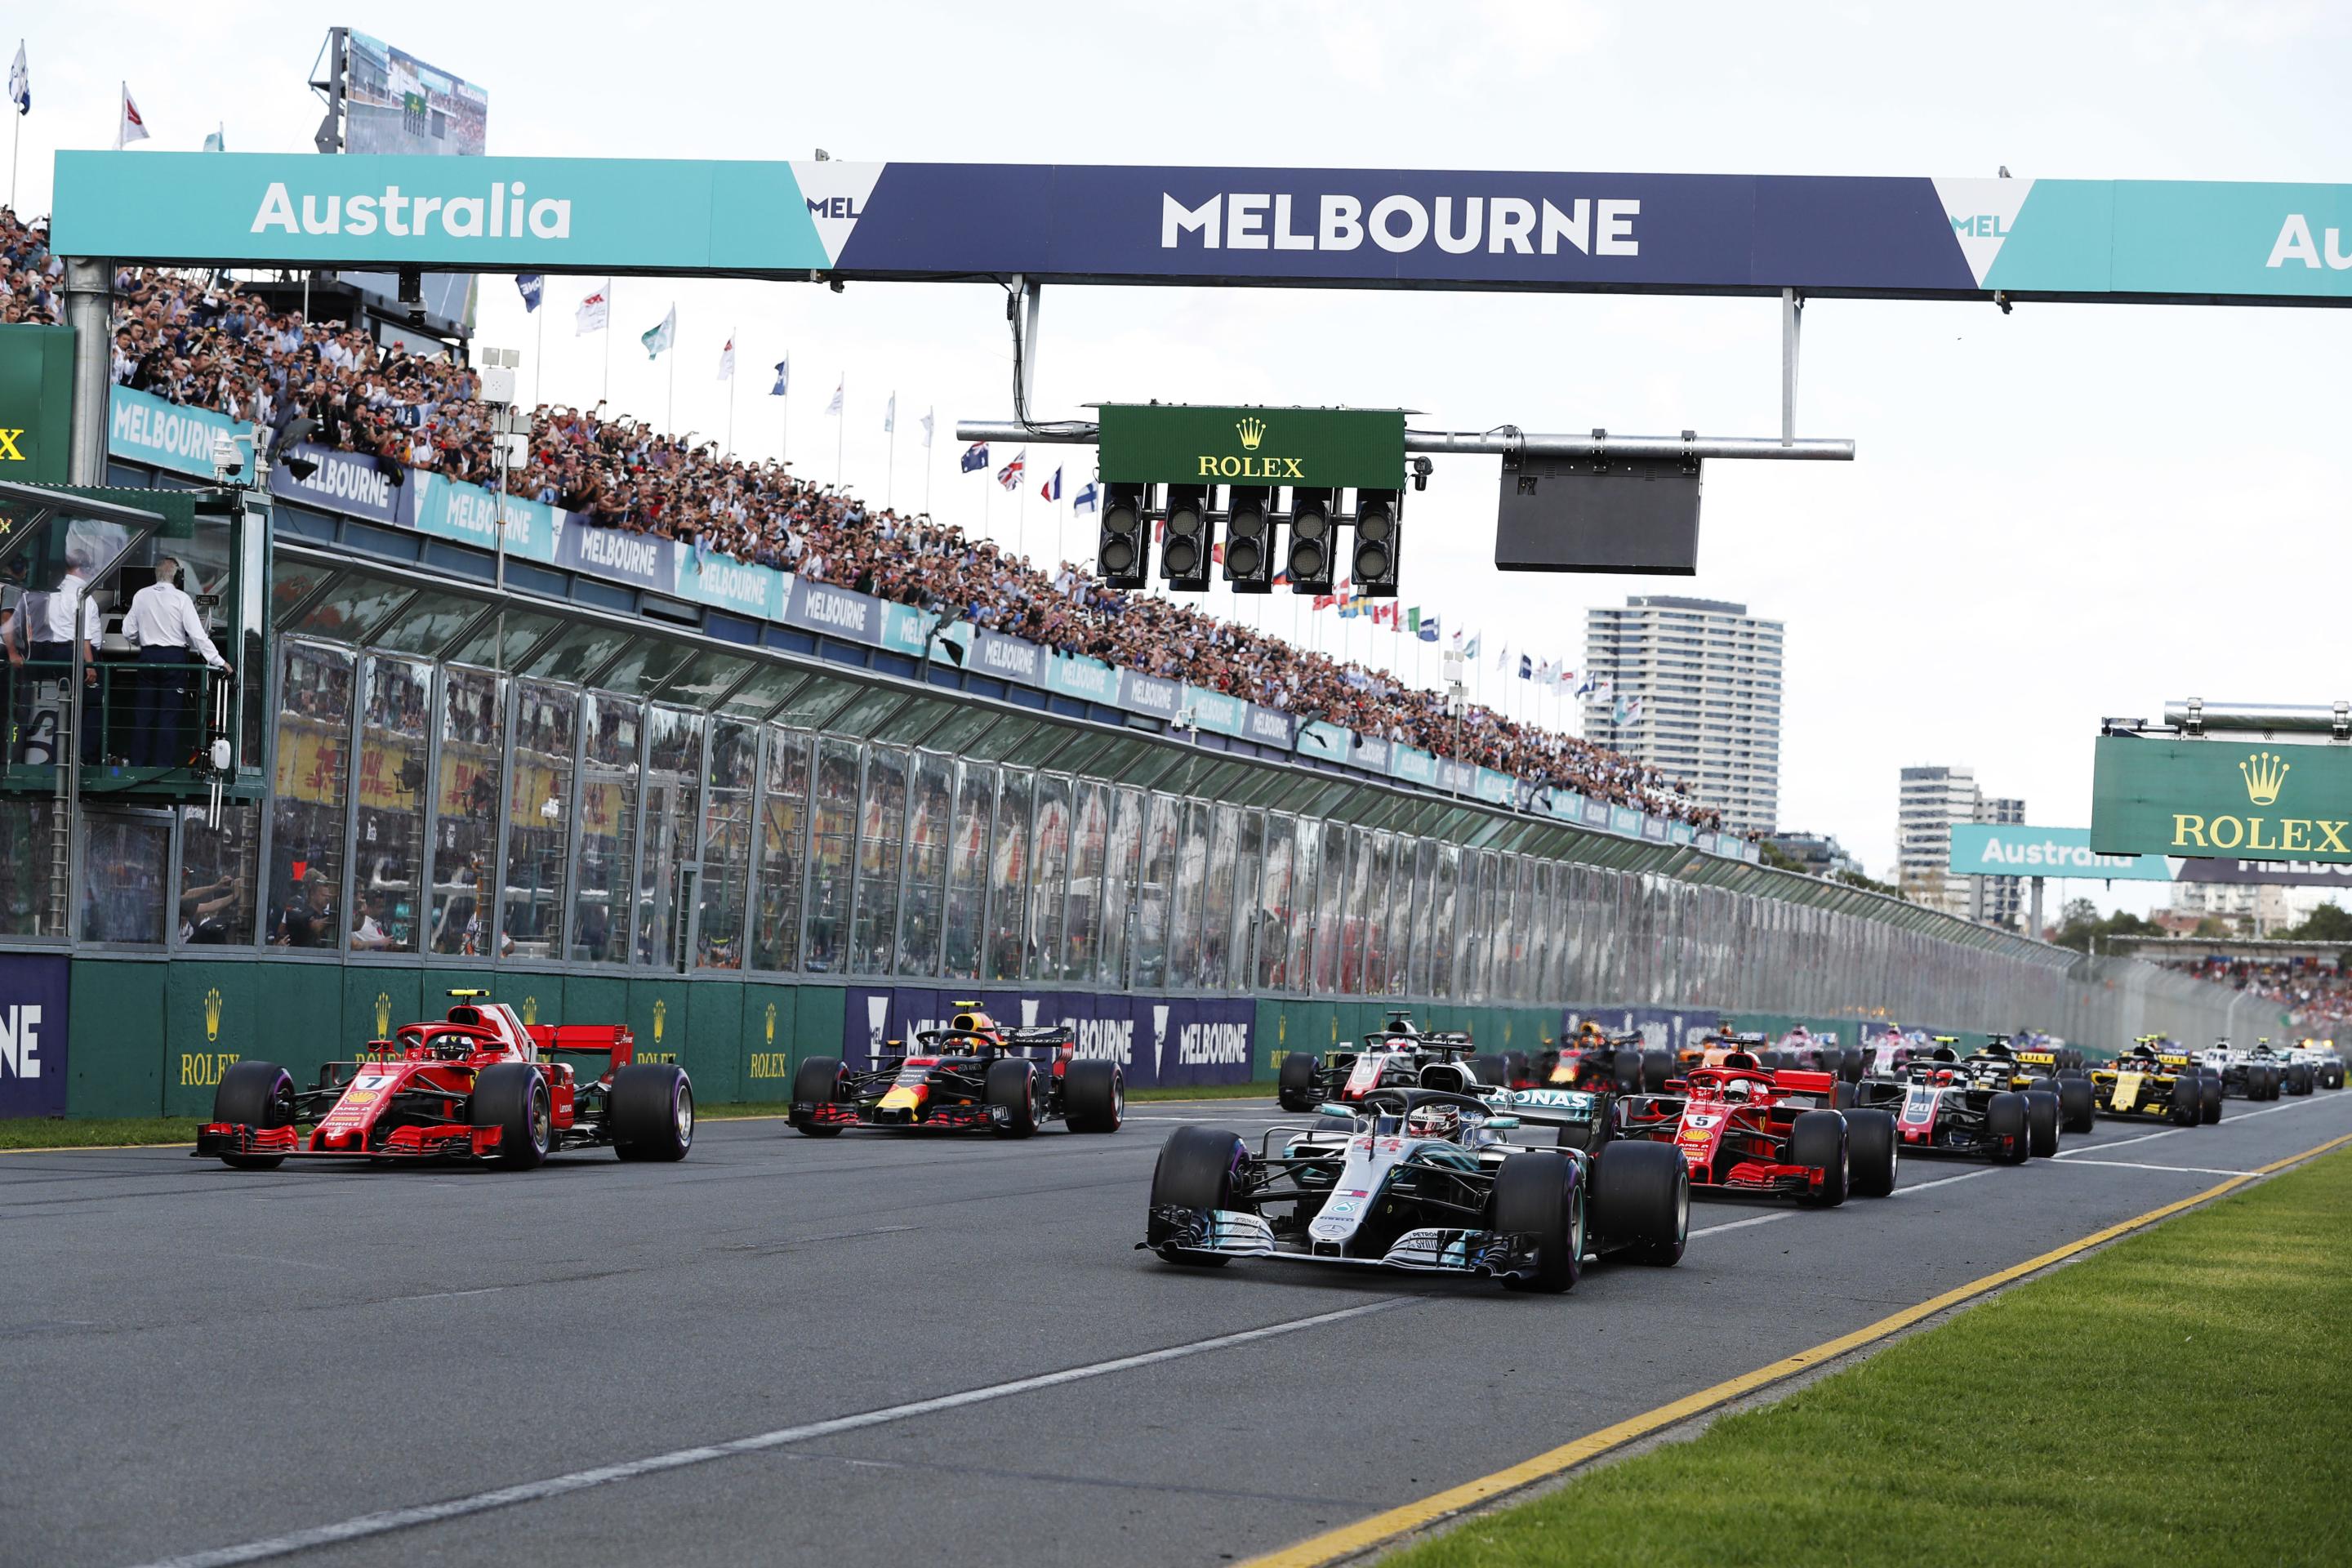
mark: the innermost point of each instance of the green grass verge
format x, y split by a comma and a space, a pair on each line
38, 1132
2179, 1398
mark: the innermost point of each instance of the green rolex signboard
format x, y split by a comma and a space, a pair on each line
1162, 442
2244, 800
36, 404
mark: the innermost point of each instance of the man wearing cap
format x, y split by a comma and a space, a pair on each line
40, 631
163, 624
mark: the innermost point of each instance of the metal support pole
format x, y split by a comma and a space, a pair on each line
1588, 444
89, 304
1029, 297
2035, 929
1792, 331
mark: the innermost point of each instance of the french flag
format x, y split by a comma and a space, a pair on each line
1052, 489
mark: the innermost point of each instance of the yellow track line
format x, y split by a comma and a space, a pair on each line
1382, 1529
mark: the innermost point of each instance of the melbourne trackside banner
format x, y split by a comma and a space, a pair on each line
1156, 1041
33, 993
349, 482
2249, 801
1725, 234
2277, 873
1986, 849
146, 429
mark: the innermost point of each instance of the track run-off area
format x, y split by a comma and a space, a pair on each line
878, 1350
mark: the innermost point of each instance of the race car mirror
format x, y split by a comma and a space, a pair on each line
1502, 1123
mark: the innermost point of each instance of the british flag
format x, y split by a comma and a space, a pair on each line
1010, 475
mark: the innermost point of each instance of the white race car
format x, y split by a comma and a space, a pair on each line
1425, 1179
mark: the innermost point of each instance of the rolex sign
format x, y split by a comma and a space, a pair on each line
36, 404
1160, 444
2245, 800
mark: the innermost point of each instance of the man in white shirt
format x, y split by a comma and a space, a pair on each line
165, 626
40, 631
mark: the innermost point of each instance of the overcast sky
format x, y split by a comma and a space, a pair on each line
2070, 512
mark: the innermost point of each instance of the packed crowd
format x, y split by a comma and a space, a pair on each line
199, 338
2317, 998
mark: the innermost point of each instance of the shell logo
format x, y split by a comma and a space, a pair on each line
212, 1015
661, 1013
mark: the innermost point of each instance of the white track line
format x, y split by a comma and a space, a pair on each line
391, 1520
2186, 1169
1742, 1224
2119, 1143
1942, 1182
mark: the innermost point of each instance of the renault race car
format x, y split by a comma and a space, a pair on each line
975, 1074
2038, 1073
2320, 1056
2149, 1082
1397, 1056
1942, 1105
1748, 1128
1425, 1180
479, 1086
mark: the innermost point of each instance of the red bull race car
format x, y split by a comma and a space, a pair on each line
1748, 1128
479, 1086
1592, 1058
975, 1075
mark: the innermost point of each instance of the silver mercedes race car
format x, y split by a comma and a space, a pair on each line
1426, 1179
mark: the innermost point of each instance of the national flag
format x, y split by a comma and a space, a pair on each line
1087, 499
834, 406
1544, 672
726, 361
1625, 712
1052, 489
1470, 648
131, 128
217, 139
595, 313
530, 286
975, 457
662, 337
1427, 630
1503, 656
891, 415
1281, 579
20, 83
1010, 475
783, 378
1526, 668
1604, 690
927, 428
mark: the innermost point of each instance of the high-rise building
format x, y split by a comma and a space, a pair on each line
2000, 899
1706, 677
1929, 802
1817, 854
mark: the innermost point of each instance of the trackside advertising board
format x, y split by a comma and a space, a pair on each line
1900, 237
1156, 1041
32, 995
2249, 801
1987, 849
1160, 442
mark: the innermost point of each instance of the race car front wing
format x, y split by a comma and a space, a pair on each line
962, 1118
1432, 1249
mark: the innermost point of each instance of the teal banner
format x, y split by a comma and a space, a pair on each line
1214, 710
1990, 849
469, 514
731, 584
1089, 679
1497, 789
1413, 766
146, 429
499, 214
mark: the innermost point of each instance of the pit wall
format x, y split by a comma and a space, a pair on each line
151, 1037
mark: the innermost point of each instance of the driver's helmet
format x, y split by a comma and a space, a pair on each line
1589, 1030
1739, 1089
1433, 1121
1945, 1076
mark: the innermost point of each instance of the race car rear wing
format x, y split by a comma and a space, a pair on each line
1036, 1038
614, 1040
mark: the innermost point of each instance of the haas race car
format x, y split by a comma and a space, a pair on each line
1943, 1105
1395, 1056
975, 1074
1425, 1180
479, 1086
1745, 1128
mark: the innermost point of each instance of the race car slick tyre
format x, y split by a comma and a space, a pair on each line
2188, 1102
2007, 1128
512, 1098
2334, 1077
1487, 1068
1656, 1067
651, 1107
2210, 1109
814, 1082
1874, 1152
1538, 1194
1013, 1084
1841, 1095
1629, 1073
1195, 1170
2078, 1105
2041, 1123
1849, 1065
2303, 1075
2263, 1083
1819, 1139
1296, 1090
1641, 1200
1094, 1097
256, 1095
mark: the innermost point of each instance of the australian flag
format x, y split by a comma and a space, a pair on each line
975, 457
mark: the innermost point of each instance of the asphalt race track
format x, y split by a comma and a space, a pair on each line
199, 1358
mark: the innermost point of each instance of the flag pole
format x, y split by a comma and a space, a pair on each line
605, 394
891, 474
730, 393
931, 461
841, 423
538, 354
669, 402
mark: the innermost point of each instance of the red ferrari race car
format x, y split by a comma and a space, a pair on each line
480, 1086
1747, 1130
975, 1074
